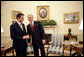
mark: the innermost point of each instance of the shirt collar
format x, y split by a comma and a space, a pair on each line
19, 23
32, 23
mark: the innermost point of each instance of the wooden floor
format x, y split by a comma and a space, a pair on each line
10, 54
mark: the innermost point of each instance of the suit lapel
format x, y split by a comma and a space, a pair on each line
30, 27
34, 25
23, 28
19, 28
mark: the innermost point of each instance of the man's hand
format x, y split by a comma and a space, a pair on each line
43, 41
26, 37
29, 44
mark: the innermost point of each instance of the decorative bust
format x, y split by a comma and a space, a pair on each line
69, 32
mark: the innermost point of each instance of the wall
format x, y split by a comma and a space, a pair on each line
57, 10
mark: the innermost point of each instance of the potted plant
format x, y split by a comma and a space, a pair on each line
48, 22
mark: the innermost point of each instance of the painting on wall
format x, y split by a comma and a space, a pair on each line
71, 18
14, 20
42, 13
14, 13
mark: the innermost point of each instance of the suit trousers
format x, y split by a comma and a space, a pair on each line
36, 50
22, 52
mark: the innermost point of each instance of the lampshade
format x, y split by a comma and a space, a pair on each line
2, 29
81, 25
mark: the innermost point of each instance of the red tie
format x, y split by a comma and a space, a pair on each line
32, 27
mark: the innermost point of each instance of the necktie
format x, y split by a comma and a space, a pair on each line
21, 26
32, 27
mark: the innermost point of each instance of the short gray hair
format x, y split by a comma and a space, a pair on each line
30, 15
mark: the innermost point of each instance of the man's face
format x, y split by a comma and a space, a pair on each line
30, 18
21, 19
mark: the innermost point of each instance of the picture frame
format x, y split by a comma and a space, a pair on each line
43, 13
14, 13
14, 21
71, 18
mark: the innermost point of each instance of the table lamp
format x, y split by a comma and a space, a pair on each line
81, 25
2, 29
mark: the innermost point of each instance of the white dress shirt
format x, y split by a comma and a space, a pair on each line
32, 23
20, 24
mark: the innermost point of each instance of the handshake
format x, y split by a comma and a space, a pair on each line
26, 37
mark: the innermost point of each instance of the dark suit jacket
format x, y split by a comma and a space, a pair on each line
37, 35
17, 35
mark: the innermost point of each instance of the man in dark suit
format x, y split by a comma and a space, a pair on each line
19, 36
38, 35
